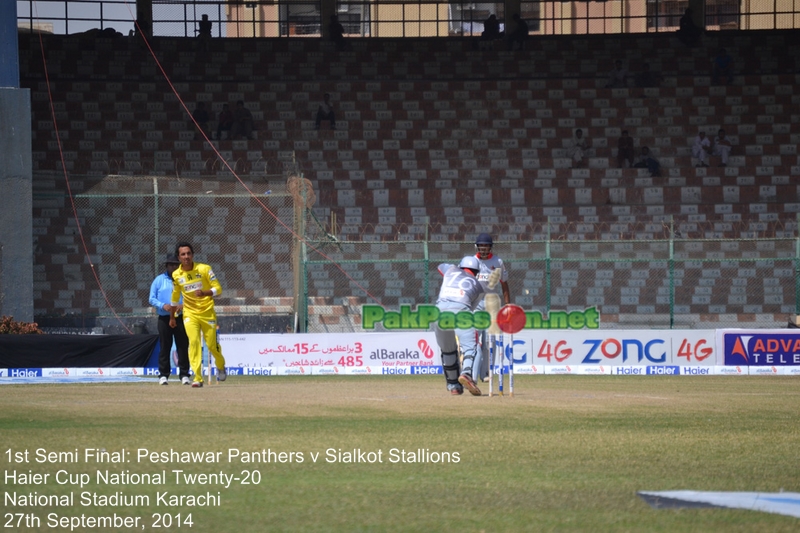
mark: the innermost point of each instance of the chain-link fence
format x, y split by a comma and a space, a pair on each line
662, 283
129, 224
249, 233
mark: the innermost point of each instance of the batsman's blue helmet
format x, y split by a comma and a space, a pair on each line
484, 238
471, 262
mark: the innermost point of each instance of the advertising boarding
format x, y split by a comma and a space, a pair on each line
338, 353
622, 352
760, 351
616, 352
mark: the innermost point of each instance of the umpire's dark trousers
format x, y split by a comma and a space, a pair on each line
166, 335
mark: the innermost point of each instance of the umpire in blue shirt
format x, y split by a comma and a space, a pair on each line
160, 298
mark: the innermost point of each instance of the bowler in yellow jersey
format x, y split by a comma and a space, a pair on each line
199, 286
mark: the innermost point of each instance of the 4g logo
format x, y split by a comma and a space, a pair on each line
700, 350
559, 352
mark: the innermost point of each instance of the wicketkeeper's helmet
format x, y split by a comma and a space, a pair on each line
484, 238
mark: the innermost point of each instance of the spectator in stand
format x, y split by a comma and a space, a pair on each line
648, 161
722, 68
722, 147
242, 122
625, 151
491, 29
204, 32
578, 147
618, 77
647, 78
689, 33
701, 147
336, 32
325, 112
201, 117
224, 121
517, 38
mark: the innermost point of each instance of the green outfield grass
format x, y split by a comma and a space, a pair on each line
568, 453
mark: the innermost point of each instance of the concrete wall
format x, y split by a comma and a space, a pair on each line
16, 228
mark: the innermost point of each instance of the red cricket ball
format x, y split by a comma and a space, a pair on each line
511, 319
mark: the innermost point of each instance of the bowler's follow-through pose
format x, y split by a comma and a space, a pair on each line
199, 286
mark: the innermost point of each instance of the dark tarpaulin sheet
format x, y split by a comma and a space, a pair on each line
52, 351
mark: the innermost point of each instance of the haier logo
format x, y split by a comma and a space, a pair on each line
663, 370
401, 370
151, 371
613, 348
695, 371
25, 372
426, 370
629, 370
255, 371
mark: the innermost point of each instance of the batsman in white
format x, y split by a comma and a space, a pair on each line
488, 264
461, 291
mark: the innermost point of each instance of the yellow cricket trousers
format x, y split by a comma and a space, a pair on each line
207, 325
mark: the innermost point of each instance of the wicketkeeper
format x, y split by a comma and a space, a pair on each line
488, 264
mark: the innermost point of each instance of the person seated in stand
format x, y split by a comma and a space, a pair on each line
722, 68
224, 121
701, 147
242, 122
648, 161
647, 78
618, 76
578, 147
625, 151
722, 147
325, 112
200, 116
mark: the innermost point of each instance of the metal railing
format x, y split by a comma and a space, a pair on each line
664, 283
293, 18
128, 225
